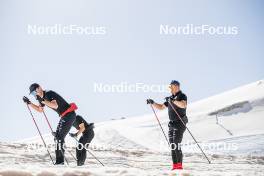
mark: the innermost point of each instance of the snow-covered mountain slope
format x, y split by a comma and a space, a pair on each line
225, 109
232, 121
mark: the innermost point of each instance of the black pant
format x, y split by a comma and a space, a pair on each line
176, 130
84, 142
63, 129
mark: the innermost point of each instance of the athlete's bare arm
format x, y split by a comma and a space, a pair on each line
82, 128
36, 107
159, 106
52, 104
181, 104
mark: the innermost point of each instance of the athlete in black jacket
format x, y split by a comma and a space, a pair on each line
64, 109
176, 128
86, 129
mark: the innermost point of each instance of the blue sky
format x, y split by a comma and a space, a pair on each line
132, 51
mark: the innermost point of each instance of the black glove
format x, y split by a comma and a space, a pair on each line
73, 134
54, 134
169, 99
41, 104
39, 98
150, 101
26, 100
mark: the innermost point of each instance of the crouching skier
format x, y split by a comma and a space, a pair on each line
86, 129
176, 127
65, 110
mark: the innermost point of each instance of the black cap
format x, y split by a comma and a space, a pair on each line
33, 87
174, 82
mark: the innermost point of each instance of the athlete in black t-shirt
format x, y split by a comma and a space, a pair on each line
176, 127
58, 104
86, 129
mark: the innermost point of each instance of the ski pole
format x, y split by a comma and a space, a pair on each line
189, 132
91, 153
47, 120
96, 158
159, 124
71, 154
40, 134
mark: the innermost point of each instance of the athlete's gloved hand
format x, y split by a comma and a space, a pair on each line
150, 101
169, 99
73, 134
54, 133
26, 100
41, 104
39, 98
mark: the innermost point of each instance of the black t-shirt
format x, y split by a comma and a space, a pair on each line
79, 119
181, 111
62, 104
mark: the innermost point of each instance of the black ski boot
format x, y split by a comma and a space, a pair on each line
59, 163
80, 163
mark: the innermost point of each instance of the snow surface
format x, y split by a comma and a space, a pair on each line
136, 146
